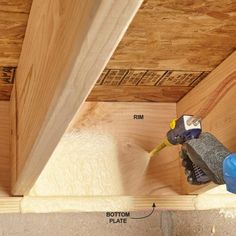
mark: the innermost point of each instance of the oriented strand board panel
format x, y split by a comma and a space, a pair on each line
16, 6
169, 44
214, 101
178, 35
13, 22
105, 152
5, 148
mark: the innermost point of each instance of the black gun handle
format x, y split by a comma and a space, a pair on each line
208, 154
193, 173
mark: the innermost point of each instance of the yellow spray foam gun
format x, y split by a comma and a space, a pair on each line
204, 158
185, 128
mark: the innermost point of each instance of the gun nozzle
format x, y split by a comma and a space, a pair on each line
159, 147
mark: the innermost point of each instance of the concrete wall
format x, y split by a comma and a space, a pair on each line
164, 223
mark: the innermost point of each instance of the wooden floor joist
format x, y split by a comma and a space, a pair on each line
213, 100
66, 47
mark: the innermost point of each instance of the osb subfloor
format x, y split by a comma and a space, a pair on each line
166, 223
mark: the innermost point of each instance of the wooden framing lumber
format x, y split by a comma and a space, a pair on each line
29, 204
104, 203
13, 137
137, 94
66, 47
214, 101
10, 204
5, 149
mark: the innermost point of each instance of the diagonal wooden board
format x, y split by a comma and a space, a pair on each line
105, 152
56, 73
214, 101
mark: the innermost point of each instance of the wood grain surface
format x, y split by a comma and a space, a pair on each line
105, 152
66, 47
13, 22
137, 94
178, 35
13, 137
31, 204
184, 38
17, 6
214, 101
127, 203
5, 148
